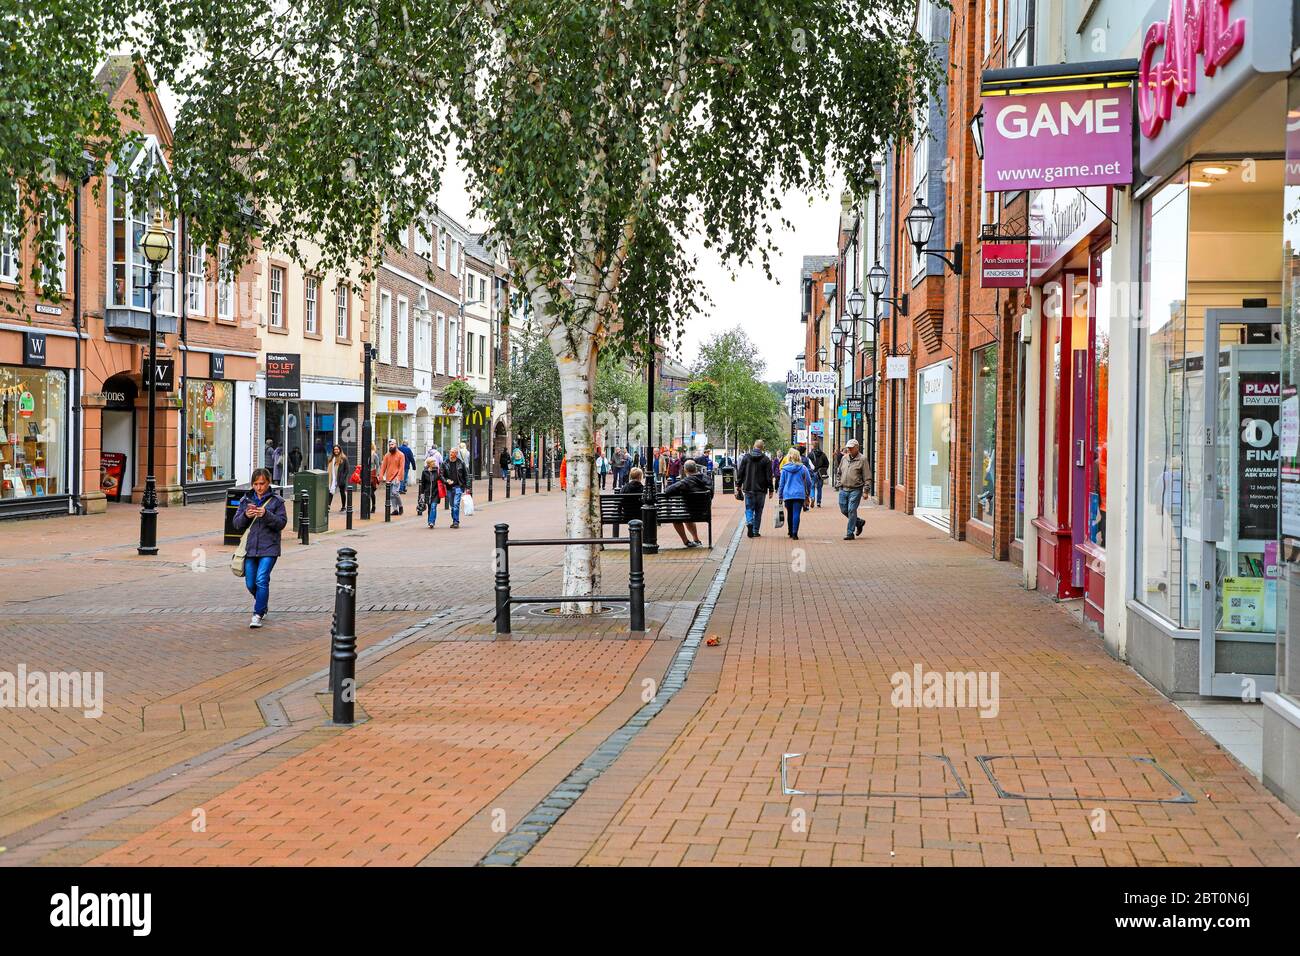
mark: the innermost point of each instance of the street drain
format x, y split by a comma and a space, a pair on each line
553, 610
923, 776
1095, 778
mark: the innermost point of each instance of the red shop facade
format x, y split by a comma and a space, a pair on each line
1070, 246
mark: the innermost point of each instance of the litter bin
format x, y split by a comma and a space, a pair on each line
317, 484
233, 497
728, 479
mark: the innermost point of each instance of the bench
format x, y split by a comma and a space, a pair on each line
618, 509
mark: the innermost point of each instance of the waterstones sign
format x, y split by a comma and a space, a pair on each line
810, 384
1058, 139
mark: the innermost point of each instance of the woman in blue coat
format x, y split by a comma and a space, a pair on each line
796, 489
263, 510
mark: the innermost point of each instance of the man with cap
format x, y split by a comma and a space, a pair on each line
852, 481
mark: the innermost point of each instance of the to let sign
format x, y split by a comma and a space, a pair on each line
1058, 139
1004, 265
283, 375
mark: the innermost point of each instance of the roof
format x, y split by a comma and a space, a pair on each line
813, 264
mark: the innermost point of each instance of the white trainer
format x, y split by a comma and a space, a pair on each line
256, 621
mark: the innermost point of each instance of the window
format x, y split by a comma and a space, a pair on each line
341, 324
209, 430
33, 416
130, 217
60, 277
453, 339
1100, 410
275, 302
196, 279
403, 332
310, 288
385, 330
454, 267
423, 344
225, 284
9, 244
482, 346
442, 249
984, 432
440, 349
424, 240
469, 353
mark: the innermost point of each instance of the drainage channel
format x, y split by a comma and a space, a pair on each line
528, 832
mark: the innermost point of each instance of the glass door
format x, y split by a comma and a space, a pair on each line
1238, 477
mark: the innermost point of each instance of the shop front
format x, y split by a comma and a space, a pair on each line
300, 434
1212, 413
34, 435
934, 444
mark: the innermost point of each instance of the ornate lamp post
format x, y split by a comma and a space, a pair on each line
156, 245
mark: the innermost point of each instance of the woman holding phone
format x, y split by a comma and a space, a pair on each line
262, 513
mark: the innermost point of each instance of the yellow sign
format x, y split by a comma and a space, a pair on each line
1243, 604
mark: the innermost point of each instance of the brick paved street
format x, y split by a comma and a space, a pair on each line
214, 746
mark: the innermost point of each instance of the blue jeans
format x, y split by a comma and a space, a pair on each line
454, 495
818, 481
257, 578
793, 507
754, 509
433, 510
850, 498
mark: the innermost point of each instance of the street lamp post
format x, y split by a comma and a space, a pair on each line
369, 353
877, 282
649, 523
156, 245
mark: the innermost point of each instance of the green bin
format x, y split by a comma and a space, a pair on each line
316, 482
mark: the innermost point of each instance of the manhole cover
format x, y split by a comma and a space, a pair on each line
553, 610
1083, 778
928, 776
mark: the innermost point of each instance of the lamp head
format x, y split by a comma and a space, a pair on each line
855, 302
877, 280
920, 223
156, 244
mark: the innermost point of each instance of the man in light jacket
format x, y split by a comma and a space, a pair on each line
852, 481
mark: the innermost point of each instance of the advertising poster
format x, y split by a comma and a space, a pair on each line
112, 466
1257, 456
1243, 604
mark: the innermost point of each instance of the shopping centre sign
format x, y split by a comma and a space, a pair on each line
1056, 139
810, 384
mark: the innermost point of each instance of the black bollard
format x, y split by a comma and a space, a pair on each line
492, 468
343, 651
388, 501
502, 561
304, 517
537, 481
649, 527
508, 480
348, 495
523, 481
635, 577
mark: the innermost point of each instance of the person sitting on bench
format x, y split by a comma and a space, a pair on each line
692, 482
633, 485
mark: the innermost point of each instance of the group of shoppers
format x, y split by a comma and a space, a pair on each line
798, 479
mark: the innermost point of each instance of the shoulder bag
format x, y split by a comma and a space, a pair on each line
241, 552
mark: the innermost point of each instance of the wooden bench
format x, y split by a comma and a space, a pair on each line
619, 509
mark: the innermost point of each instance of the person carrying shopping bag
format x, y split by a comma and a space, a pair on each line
456, 478
261, 516
430, 479
795, 490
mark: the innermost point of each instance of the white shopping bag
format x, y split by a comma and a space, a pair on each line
467, 505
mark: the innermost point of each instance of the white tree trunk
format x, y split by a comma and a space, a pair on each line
575, 354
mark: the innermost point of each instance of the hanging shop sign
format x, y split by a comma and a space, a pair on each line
164, 376
1258, 456
936, 385
1004, 265
283, 375
1057, 139
896, 366
34, 349
810, 384
1196, 56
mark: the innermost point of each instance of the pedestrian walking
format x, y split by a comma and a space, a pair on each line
852, 477
795, 490
519, 463
564, 472
602, 468
391, 470
504, 463
692, 482
408, 466
754, 486
340, 470
819, 465
455, 477
430, 483
261, 516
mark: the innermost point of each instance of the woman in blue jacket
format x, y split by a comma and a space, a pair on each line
264, 510
796, 490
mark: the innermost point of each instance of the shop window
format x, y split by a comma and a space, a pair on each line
33, 425
984, 431
1053, 295
1022, 352
1100, 409
209, 430
1288, 646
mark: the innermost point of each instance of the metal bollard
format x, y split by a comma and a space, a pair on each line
348, 500
523, 482
343, 647
537, 481
304, 517
388, 501
635, 577
502, 561
508, 480
490, 471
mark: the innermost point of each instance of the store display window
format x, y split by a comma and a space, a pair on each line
209, 430
33, 432
984, 431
